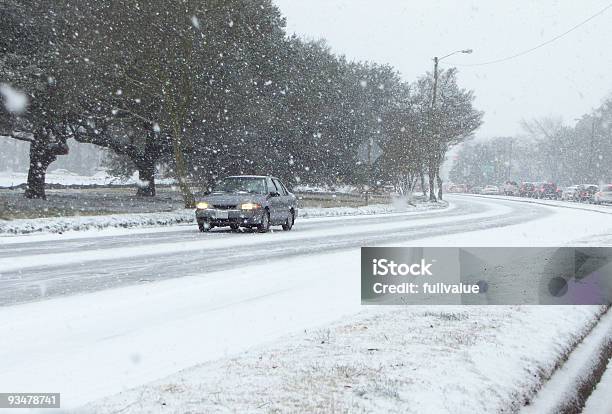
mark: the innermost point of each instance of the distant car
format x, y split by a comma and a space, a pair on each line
569, 193
511, 188
586, 193
490, 190
247, 201
476, 190
457, 188
527, 189
604, 195
546, 190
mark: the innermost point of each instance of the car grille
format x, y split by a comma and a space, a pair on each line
224, 207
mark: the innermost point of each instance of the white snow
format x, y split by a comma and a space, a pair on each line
195, 22
473, 359
207, 242
14, 100
80, 223
97, 344
569, 226
600, 402
563, 385
554, 203
450, 360
305, 188
64, 177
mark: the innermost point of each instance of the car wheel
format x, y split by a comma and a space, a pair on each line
289, 223
264, 227
234, 227
204, 227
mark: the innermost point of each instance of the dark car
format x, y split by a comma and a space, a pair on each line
546, 190
247, 201
527, 190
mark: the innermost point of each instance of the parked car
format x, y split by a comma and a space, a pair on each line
569, 193
458, 188
511, 188
490, 190
604, 195
546, 190
586, 193
527, 189
476, 190
247, 201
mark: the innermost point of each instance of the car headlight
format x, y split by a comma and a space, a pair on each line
202, 205
249, 206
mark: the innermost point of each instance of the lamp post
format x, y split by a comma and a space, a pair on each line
433, 107
435, 72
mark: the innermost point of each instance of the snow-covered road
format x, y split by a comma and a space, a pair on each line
57, 265
111, 312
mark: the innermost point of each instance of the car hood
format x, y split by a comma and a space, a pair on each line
233, 198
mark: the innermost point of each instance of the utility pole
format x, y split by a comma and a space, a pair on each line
433, 115
509, 170
592, 150
435, 83
367, 193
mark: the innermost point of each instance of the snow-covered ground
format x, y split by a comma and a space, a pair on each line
555, 203
343, 189
64, 177
600, 402
565, 385
406, 360
93, 316
80, 223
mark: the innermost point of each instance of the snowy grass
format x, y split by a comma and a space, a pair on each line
599, 401
79, 223
10, 179
400, 360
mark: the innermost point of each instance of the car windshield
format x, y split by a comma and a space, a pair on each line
253, 185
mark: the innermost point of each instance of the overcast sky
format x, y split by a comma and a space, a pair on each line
567, 78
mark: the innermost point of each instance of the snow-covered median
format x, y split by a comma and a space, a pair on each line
78, 223
67, 178
439, 359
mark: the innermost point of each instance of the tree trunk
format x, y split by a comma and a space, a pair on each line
422, 176
42, 153
180, 168
146, 164
439, 184
146, 175
432, 179
36, 174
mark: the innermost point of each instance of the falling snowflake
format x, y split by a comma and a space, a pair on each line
14, 100
195, 22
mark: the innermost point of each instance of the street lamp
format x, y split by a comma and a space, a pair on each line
436, 60
433, 106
